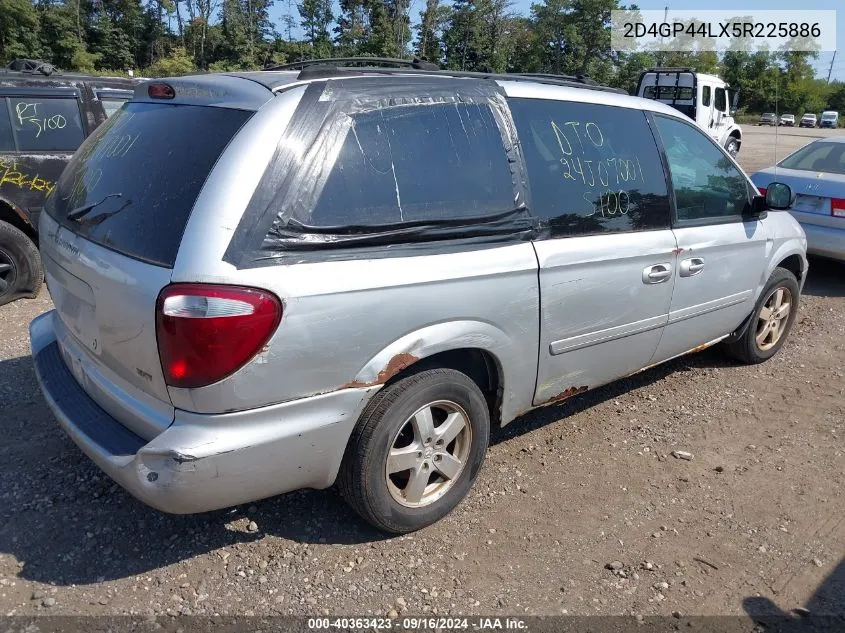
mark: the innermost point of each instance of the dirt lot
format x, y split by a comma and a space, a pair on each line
755, 522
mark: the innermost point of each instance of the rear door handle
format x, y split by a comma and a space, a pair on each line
691, 266
657, 274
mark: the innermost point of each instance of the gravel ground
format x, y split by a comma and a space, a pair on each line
579, 509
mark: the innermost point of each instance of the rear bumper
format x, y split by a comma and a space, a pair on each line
825, 241
203, 462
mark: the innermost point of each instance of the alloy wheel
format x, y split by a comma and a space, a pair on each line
773, 317
428, 454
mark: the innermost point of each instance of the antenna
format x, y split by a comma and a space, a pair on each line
777, 122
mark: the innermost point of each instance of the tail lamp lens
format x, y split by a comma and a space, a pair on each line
207, 332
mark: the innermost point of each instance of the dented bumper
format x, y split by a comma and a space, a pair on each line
203, 462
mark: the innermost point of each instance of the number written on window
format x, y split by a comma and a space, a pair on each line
591, 168
45, 124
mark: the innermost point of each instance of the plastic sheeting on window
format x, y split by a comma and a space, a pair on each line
279, 225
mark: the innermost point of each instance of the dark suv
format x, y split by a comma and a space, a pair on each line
44, 116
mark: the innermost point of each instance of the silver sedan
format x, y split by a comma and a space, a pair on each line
816, 173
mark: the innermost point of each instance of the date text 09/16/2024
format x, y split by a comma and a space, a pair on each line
417, 623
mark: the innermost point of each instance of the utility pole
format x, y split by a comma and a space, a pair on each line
660, 57
830, 70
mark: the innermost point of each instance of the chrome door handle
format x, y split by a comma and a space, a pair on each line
657, 274
691, 266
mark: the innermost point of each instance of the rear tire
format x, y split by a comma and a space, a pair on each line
20, 265
435, 422
771, 320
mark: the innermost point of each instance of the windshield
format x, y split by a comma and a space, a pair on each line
133, 183
827, 116
819, 156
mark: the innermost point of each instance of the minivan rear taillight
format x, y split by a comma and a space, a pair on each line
207, 332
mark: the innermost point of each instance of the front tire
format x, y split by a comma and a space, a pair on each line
20, 265
732, 146
416, 450
771, 321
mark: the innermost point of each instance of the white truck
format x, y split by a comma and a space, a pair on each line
706, 99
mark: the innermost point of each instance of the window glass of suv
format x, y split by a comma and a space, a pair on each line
415, 163
110, 106
135, 180
7, 139
708, 186
46, 124
591, 168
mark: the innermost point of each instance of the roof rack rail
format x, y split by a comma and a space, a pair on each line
584, 79
670, 69
31, 66
556, 80
418, 64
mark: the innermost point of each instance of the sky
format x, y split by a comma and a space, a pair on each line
821, 65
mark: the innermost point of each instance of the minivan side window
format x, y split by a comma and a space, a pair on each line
708, 186
46, 124
415, 163
591, 168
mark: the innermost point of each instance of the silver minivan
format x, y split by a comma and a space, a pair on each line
280, 280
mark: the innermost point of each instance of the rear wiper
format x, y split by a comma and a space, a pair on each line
78, 212
94, 220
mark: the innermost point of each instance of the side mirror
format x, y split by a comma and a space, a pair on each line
732, 112
779, 196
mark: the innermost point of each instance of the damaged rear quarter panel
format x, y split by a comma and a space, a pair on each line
356, 321
349, 324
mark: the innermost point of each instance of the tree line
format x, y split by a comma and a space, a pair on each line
171, 37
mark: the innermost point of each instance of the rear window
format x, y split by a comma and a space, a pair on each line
819, 156
680, 93
133, 183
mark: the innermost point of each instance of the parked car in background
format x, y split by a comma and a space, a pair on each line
829, 118
44, 116
768, 118
787, 119
274, 280
808, 120
816, 173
